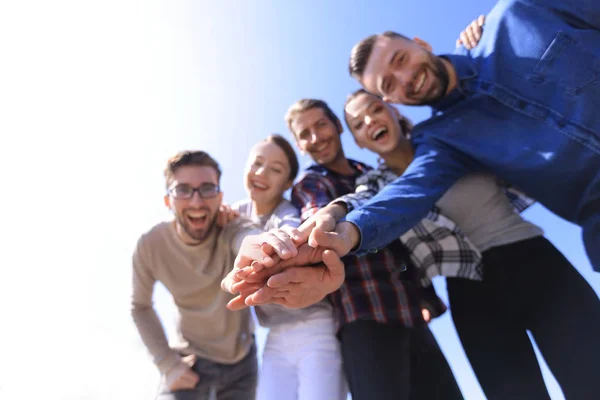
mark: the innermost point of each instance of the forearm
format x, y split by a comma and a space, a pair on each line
154, 338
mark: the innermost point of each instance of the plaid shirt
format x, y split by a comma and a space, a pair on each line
436, 244
372, 289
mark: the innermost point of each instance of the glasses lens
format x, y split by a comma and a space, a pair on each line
182, 191
209, 190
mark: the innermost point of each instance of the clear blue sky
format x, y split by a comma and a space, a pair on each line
95, 98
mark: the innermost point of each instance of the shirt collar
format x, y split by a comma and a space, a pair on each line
463, 65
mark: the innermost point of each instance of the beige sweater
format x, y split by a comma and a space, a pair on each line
193, 275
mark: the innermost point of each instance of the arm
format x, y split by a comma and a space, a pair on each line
404, 202
153, 336
367, 186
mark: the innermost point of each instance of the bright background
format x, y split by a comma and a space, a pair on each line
94, 96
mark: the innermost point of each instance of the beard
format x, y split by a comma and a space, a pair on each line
438, 70
197, 234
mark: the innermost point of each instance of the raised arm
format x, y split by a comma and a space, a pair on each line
403, 203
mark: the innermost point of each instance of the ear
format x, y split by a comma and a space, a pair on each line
340, 127
288, 185
298, 146
423, 44
167, 201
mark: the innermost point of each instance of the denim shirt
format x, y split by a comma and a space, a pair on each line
526, 108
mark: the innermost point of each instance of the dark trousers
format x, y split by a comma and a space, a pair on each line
389, 361
529, 286
220, 381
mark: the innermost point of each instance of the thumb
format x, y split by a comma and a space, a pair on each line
328, 240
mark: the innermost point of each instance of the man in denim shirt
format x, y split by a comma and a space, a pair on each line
523, 104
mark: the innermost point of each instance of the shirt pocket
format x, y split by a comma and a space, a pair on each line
568, 64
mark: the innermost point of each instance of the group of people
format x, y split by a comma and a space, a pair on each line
341, 273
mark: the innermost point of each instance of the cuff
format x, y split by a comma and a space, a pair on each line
367, 229
170, 362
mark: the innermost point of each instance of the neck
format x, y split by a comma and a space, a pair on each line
265, 208
184, 237
341, 165
452, 77
400, 158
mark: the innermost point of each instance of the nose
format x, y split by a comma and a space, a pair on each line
196, 199
368, 120
260, 170
314, 137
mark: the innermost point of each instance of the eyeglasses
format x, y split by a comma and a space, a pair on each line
205, 191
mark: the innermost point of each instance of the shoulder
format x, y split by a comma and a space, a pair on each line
155, 235
242, 206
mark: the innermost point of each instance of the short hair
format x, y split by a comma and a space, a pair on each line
406, 124
289, 152
361, 52
189, 157
308, 104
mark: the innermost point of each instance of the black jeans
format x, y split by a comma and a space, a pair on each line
389, 361
529, 286
220, 381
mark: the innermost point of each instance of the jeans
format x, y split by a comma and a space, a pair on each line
528, 286
389, 361
302, 361
220, 381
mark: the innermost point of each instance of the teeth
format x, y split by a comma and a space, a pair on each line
378, 133
420, 82
199, 214
322, 147
259, 185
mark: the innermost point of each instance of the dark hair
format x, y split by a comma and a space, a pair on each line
185, 158
406, 124
289, 152
308, 104
361, 52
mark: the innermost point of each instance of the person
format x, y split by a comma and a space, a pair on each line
388, 350
520, 105
520, 269
213, 354
302, 358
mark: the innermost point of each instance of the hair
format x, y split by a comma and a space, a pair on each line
289, 152
406, 124
361, 52
185, 158
308, 104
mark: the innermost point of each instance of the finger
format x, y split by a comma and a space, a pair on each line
293, 233
476, 31
290, 250
458, 42
305, 229
292, 275
262, 296
471, 35
463, 39
426, 315
237, 303
244, 272
263, 275
246, 286
329, 240
481, 20
335, 268
280, 246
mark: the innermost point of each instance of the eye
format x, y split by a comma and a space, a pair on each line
377, 109
358, 125
276, 170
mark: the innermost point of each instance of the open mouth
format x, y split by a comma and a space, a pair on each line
259, 185
420, 81
197, 217
380, 134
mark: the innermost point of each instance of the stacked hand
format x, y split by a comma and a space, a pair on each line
291, 267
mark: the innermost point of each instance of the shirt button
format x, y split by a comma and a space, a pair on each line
373, 250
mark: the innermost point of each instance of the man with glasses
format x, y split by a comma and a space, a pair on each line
213, 354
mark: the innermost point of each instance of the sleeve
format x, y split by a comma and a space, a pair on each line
309, 195
367, 186
145, 318
288, 215
405, 201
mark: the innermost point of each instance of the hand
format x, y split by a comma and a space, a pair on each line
426, 315
298, 287
225, 215
345, 237
325, 219
183, 378
472, 33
